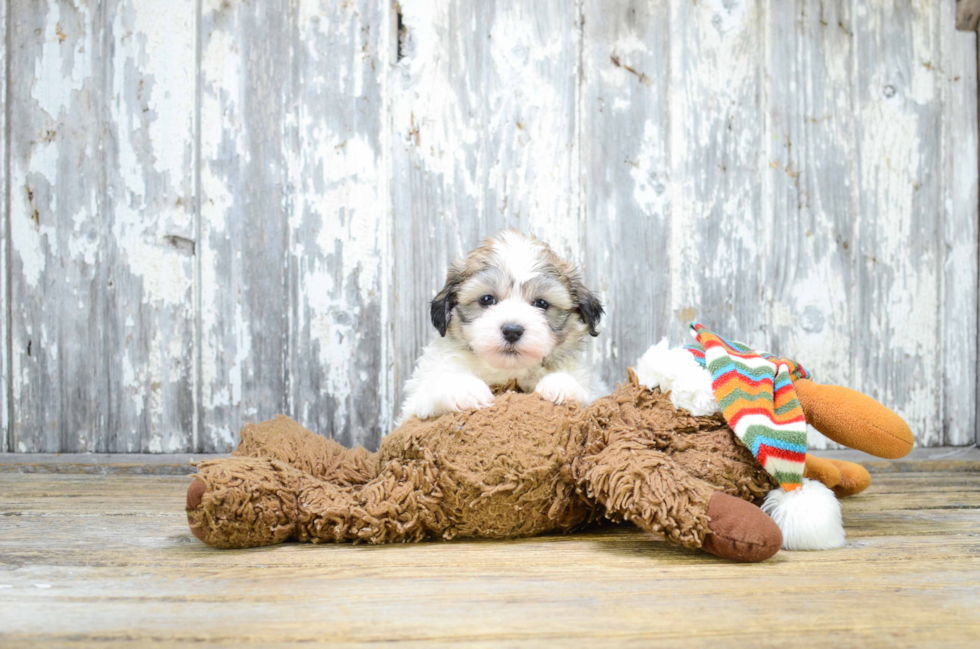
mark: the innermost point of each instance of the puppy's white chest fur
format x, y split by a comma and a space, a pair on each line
512, 310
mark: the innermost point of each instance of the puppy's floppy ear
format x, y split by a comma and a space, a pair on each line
589, 307
440, 310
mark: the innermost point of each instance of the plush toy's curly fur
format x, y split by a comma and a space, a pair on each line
521, 467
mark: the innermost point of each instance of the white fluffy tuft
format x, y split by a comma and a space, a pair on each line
678, 372
809, 517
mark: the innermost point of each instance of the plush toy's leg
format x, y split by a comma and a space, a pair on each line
845, 478
854, 478
822, 470
643, 485
285, 440
243, 502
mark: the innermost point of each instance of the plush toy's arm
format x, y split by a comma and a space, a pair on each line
854, 419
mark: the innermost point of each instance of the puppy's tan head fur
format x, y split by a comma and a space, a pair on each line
515, 303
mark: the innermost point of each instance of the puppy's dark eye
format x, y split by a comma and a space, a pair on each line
541, 304
488, 300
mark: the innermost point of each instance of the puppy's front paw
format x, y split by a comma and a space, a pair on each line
449, 393
468, 393
562, 387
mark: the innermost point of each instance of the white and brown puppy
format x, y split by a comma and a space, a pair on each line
512, 310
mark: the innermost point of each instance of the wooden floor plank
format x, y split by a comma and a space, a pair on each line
100, 560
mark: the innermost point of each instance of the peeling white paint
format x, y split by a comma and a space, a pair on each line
32, 243
350, 208
243, 349
63, 66
650, 188
165, 273
165, 58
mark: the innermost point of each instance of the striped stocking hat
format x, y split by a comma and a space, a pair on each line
755, 393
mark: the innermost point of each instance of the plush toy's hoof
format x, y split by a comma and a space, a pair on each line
740, 531
195, 493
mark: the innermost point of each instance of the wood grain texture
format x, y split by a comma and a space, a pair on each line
80, 566
59, 226
294, 219
149, 249
339, 381
246, 86
243, 208
101, 140
626, 174
898, 238
717, 69
958, 82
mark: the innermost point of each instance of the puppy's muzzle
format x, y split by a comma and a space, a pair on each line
512, 332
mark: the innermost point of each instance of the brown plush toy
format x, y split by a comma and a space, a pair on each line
525, 466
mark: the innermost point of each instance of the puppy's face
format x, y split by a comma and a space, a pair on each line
514, 303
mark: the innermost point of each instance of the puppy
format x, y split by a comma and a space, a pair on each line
512, 310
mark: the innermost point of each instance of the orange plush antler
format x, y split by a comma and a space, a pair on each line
854, 419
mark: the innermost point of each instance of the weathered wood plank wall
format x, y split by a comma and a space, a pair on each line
4, 242
218, 210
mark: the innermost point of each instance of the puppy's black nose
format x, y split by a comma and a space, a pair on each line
512, 332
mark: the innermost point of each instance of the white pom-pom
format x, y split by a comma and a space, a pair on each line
809, 517
678, 372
